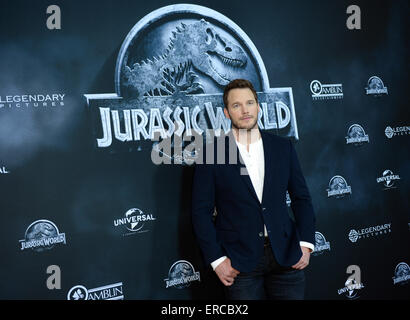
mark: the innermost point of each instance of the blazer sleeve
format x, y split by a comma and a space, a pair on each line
301, 202
203, 205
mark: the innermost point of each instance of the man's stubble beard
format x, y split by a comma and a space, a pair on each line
252, 127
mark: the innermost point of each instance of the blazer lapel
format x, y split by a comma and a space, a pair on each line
271, 165
271, 160
243, 172
240, 167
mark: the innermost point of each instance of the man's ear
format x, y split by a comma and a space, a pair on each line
226, 113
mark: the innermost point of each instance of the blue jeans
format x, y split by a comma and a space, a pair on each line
269, 280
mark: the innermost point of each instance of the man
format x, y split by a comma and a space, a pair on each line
254, 247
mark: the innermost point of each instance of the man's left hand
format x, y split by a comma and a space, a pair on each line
304, 261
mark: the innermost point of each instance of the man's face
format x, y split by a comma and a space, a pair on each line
242, 109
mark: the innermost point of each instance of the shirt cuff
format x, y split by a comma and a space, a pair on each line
307, 245
217, 262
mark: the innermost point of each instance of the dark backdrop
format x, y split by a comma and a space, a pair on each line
52, 170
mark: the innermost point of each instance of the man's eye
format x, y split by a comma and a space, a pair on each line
250, 102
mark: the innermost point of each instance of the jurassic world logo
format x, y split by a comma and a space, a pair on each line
402, 274
42, 235
170, 74
375, 87
356, 135
338, 187
321, 245
181, 275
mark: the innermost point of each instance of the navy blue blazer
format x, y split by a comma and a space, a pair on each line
238, 229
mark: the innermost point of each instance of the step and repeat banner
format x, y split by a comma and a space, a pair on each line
93, 208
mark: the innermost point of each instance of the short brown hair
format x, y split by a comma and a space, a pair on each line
238, 84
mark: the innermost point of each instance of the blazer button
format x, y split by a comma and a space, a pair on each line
263, 209
261, 234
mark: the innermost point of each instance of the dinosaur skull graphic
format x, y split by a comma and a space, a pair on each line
217, 57
194, 49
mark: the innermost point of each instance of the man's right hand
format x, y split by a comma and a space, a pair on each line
226, 273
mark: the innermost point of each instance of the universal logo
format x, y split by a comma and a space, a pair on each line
325, 91
375, 87
26, 101
388, 179
338, 187
108, 292
356, 135
42, 235
353, 283
369, 232
401, 274
134, 221
398, 131
181, 274
321, 245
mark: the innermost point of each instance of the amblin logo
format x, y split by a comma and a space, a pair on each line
108, 292
325, 91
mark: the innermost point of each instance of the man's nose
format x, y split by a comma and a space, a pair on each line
245, 109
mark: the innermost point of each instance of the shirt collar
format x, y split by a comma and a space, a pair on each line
252, 145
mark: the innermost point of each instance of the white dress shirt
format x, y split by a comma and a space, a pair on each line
255, 165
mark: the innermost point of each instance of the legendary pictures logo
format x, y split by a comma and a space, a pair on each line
169, 80
353, 283
26, 101
134, 221
108, 292
401, 274
375, 87
325, 91
42, 235
369, 232
338, 187
398, 131
356, 135
388, 179
181, 274
321, 245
